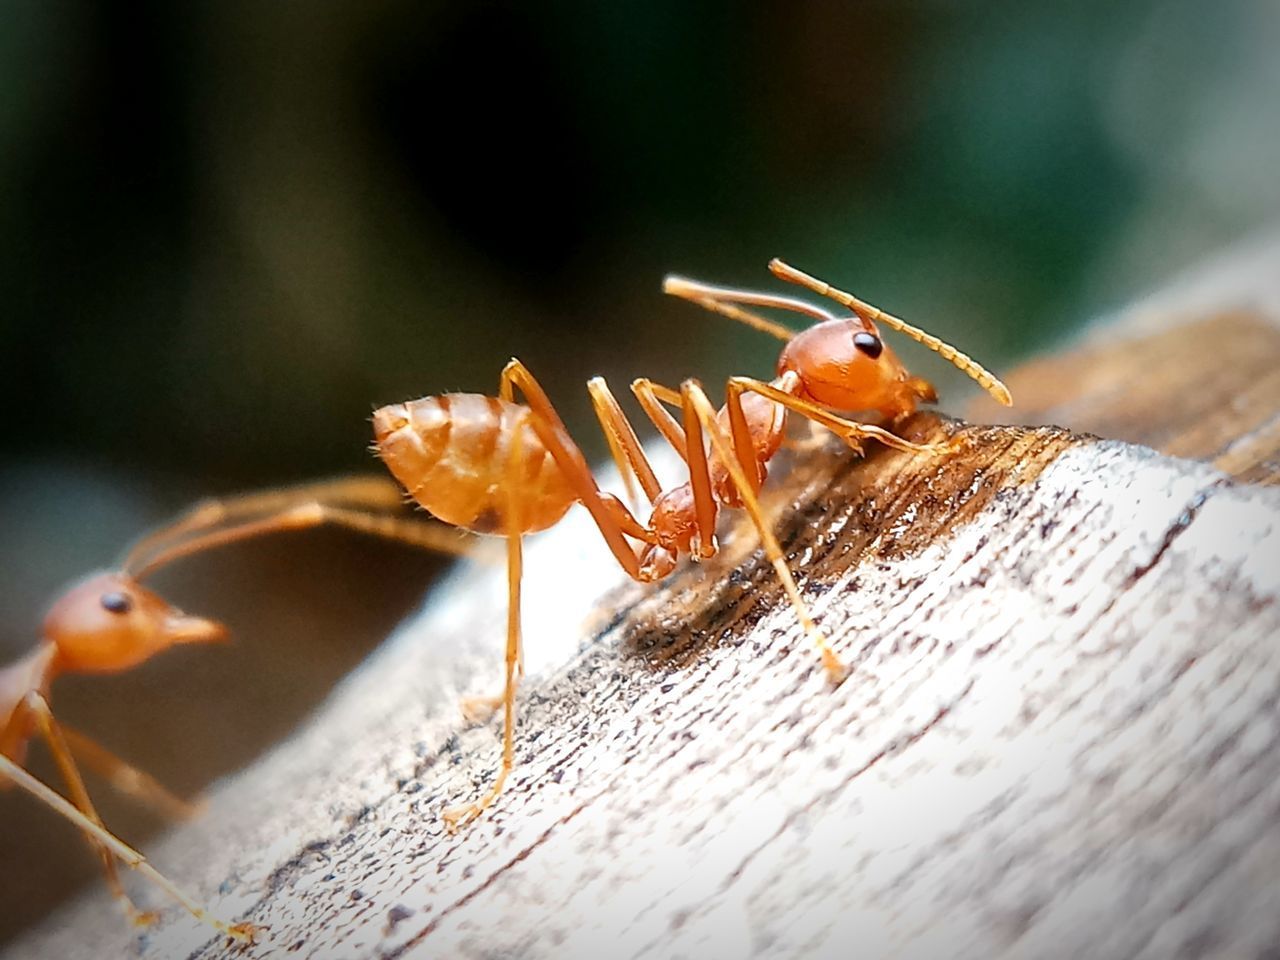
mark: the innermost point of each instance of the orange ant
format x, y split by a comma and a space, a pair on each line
110, 623
492, 465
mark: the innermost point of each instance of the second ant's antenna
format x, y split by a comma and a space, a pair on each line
353, 503
174, 548
985, 379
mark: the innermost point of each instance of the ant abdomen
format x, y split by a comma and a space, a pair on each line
452, 454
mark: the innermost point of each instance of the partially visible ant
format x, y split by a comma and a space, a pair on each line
110, 623
492, 465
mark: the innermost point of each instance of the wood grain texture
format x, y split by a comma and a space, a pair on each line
1192, 370
1207, 388
1060, 738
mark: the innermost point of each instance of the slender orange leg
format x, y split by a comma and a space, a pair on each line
704, 501
36, 705
848, 430
369, 493
705, 415
457, 816
615, 521
743, 444
127, 778
105, 842
625, 446
429, 535
651, 397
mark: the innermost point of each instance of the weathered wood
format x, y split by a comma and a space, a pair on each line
1192, 370
1207, 389
1059, 739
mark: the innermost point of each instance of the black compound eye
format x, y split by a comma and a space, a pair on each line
868, 343
116, 602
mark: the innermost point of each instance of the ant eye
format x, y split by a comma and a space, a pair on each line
116, 602
868, 343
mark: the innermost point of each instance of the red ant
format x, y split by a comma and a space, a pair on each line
492, 465
110, 623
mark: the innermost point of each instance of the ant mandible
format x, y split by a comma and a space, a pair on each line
110, 623
492, 465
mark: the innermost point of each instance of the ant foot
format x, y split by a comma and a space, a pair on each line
854, 443
836, 668
144, 918
245, 932
477, 710
456, 817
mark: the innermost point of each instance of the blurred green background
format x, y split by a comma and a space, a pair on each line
229, 230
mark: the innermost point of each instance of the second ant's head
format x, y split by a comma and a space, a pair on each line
844, 364
110, 622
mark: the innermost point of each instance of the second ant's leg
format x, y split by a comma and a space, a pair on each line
39, 709
705, 416
106, 843
127, 778
456, 816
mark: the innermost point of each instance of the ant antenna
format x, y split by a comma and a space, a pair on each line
985, 379
170, 552
304, 516
353, 503
721, 300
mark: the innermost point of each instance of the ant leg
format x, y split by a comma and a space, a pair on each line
848, 430
81, 812
429, 535
614, 521
457, 816
705, 417
39, 708
651, 397
624, 445
705, 508
370, 493
127, 778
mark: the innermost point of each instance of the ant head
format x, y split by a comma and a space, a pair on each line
845, 365
110, 622
842, 362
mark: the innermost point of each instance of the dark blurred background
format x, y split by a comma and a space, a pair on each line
229, 230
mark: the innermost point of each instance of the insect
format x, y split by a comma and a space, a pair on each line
493, 465
110, 623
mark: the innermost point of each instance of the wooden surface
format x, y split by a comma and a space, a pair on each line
1060, 737
1206, 388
